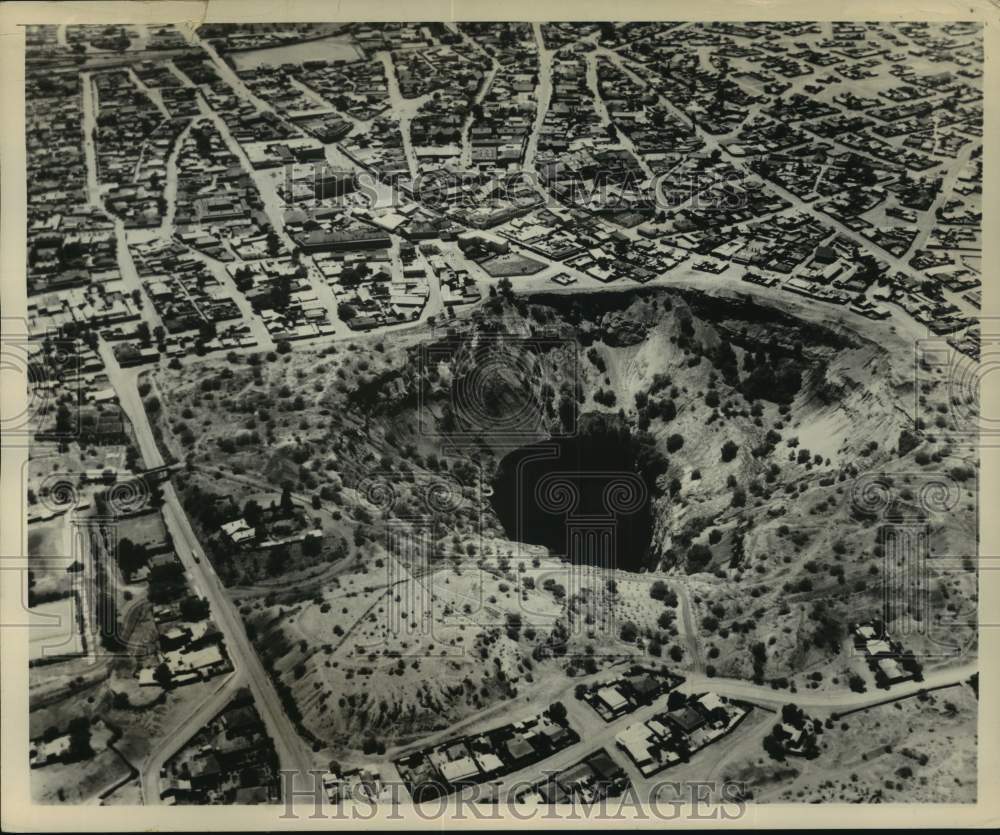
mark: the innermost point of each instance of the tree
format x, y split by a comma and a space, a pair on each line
277, 560
557, 712
629, 632
793, 715
759, 652
162, 675
287, 506
131, 557
79, 739
194, 608
698, 557
729, 450
773, 746
659, 590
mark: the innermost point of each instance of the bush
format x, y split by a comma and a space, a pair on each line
659, 590
629, 632
194, 608
698, 557
605, 397
907, 442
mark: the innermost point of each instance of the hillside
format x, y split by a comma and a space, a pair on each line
736, 438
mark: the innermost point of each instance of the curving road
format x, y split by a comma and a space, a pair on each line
595, 733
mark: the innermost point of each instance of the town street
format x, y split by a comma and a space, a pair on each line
595, 733
293, 753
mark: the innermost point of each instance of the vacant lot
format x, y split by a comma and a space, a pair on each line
54, 629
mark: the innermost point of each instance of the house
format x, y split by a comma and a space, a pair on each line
174, 638
206, 772
606, 769
577, 778
687, 718
892, 670
645, 687
635, 741
463, 768
519, 748
552, 792
613, 700
878, 648
49, 752
238, 531
825, 255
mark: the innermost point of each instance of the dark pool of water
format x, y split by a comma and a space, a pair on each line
587, 497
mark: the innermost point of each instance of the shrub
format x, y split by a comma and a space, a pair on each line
629, 632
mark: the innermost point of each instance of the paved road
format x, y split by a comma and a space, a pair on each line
149, 773
292, 751
595, 733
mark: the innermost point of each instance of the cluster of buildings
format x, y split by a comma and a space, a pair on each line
448, 77
358, 784
886, 658
358, 90
593, 779
659, 138
273, 526
372, 291
645, 150
279, 293
73, 396
189, 649
446, 767
219, 211
478, 200
133, 139
69, 242
84, 738
502, 124
590, 245
380, 150
230, 761
688, 725
628, 692
190, 301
